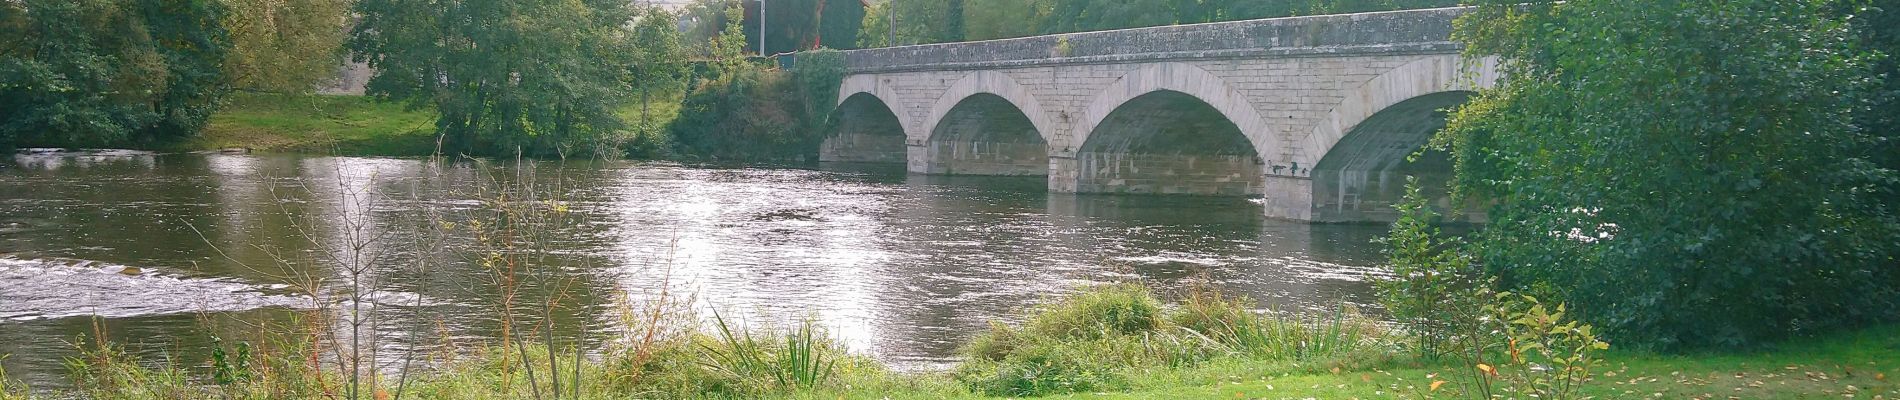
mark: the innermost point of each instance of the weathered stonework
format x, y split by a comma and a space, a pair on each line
1292, 87
862, 148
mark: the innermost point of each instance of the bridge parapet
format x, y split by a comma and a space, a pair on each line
1385, 33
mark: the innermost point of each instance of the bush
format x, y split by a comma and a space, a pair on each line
754, 114
1503, 344
1635, 182
748, 114
1434, 285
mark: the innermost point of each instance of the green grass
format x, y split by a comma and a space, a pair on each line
1120, 330
361, 126
349, 125
1863, 363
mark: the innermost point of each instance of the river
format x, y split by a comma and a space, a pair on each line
164, 252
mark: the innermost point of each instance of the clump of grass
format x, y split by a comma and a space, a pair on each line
805, 360
1226, 322
1096, 339
105, 372
1102, 312
9, 389
283, 367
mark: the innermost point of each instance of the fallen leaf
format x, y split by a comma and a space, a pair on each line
1436, 384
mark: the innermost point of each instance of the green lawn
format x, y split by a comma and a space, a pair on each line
1862, 364
356, 125
1859, 365
352, 125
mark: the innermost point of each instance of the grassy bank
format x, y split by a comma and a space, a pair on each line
360, 126
1113, 342
346, 125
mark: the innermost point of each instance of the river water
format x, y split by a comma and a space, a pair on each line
165, 252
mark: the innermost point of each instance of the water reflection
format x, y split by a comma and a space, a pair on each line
902, 267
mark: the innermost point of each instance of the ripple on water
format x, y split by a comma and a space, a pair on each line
47, 289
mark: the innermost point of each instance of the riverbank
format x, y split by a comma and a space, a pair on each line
1112, 342
317, 124
361, 126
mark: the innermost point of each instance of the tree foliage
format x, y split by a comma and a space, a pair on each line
108, 72
659, 59
536, 77
790, 25
752, 113
1685, 174
285, 46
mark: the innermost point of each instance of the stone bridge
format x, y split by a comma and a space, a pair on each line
1316, 115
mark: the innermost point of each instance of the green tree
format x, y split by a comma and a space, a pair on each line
1685, 174
1878, 24
702, 21
659, 61
998, 19
728, 49
839, 22
285, 46
541, 78
108, 72
917, 22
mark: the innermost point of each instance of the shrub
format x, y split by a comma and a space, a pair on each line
1433, 284
1503, 344
750, 113
1635, 183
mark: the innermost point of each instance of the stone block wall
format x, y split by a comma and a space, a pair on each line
861, 147
1139, 173
987, 158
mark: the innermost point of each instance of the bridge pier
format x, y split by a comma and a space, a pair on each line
1288, 197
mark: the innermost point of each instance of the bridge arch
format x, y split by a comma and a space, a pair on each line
1169, 128
1174, 77
987, 124
866, 126
1355, 160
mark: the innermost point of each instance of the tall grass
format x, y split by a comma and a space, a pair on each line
1093, 340
9, 389
804, 361
1226, 323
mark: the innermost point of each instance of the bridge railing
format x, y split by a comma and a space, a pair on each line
1390, 32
